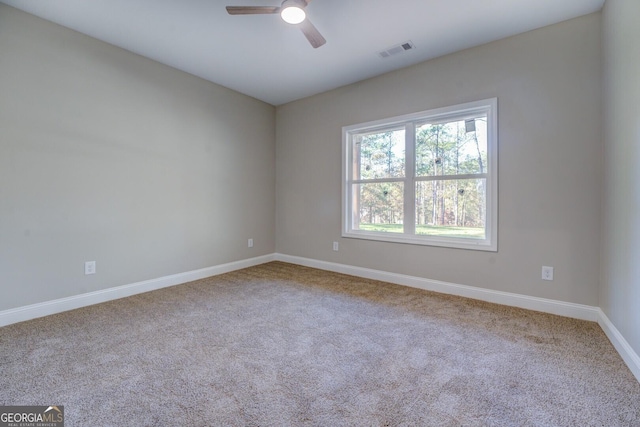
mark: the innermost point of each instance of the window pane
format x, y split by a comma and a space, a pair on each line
451, 208
379, 207
379, 155
452, 148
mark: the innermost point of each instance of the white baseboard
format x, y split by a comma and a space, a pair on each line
33, 311
561, 308
629, 356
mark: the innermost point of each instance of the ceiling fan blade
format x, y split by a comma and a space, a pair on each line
312, 34
252, 10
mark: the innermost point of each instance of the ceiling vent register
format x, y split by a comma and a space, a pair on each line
397, 49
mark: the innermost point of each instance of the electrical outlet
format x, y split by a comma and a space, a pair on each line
336, 246
547, 273
250, 243
90, 267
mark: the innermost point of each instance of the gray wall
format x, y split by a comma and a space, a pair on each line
108, 156
548, 84
620, 284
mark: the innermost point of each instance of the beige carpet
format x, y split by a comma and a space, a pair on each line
279, 344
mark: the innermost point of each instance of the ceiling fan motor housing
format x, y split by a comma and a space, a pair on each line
294, 3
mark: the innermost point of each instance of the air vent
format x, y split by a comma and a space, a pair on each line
397, 49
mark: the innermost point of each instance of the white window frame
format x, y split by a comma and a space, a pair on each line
409, 121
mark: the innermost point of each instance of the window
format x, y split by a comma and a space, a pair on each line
427, 178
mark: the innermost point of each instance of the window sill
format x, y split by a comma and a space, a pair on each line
446, 242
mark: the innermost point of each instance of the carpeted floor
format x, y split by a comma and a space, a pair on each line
278, 345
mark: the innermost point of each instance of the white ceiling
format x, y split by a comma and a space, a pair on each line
265, 58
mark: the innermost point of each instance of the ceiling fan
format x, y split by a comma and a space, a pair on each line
291, 11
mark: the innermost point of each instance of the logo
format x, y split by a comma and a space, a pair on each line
31, 416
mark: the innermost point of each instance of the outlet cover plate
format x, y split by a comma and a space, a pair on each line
90, 267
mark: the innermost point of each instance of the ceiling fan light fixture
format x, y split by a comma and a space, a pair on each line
291, 13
